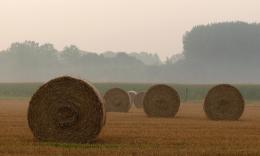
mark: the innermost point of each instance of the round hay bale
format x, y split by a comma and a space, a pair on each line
161, 101
132, 94
224, 102
117, 100
66, 110
139, 98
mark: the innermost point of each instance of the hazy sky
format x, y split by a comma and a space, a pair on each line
118, 25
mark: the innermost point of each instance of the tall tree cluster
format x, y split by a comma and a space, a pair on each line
216, 53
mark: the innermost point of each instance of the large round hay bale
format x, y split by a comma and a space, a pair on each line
139, 98
117, 100
132, 94
224, 102
161, 101
66, 110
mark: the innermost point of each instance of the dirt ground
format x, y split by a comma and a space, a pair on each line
190, 133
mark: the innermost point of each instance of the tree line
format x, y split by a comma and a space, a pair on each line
215, 53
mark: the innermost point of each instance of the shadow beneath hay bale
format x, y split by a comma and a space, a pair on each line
206, 119
93, 145
189, 117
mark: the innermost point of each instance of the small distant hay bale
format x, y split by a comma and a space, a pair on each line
139, 98
117, 100
132, 94
161, 101
224, 102
66, 110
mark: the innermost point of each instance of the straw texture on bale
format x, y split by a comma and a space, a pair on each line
161, 101
139, 98
224, 102
117, 100
132, 94
66, 110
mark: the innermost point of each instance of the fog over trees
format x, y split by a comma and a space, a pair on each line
215, 53
228, 52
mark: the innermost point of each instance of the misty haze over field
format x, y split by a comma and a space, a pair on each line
175, 41
215, 53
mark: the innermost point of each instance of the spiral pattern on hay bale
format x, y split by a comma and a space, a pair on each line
66, 110
161, 101
117, 100
132, 94
224, 102
139, 98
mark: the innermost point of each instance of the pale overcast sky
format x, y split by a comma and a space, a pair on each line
119, 25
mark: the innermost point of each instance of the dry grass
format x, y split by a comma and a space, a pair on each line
190, 133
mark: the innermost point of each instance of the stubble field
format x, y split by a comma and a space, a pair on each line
190, 133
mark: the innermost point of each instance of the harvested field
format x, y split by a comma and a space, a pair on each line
190, 133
